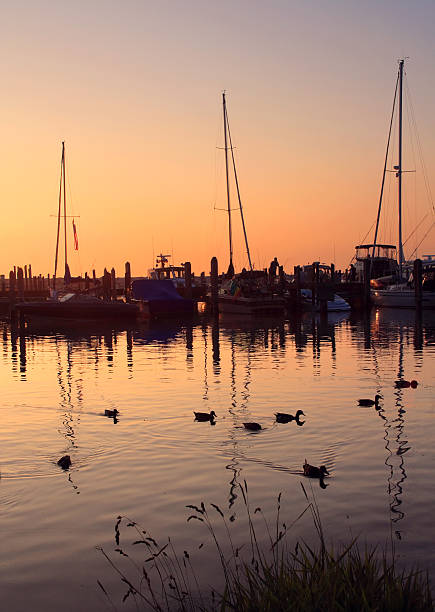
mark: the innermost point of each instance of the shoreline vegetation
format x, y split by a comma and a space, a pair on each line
271, 577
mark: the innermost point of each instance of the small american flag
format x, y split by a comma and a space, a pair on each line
76, 240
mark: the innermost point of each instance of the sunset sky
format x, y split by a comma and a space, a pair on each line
135, 90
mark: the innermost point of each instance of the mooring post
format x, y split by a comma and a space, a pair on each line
332, 274
315, 283
12, 287
367, 266
214, 283
418, 283
106, 284
20, 284
297, 274
127, 281
188, 279
112, 284
281, 276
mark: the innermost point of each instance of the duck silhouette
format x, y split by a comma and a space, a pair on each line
405, 384
283, 417
111, 413
205, 416
370, 402
64, 462
314, 472
252, 426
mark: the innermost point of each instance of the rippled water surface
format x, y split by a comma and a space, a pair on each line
156, 459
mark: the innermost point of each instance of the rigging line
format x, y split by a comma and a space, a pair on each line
420, 150
238, 196
362, 242
423, 239
411, 140
383, 174
228, 181
415, 229
64, 207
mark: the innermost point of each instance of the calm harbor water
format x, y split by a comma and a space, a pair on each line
156, 459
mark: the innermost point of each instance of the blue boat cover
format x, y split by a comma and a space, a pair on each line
152, 290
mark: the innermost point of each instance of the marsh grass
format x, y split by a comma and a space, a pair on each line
271, 577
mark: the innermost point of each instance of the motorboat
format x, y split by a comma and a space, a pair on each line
249, 293
334, 304
158, 299
76, 306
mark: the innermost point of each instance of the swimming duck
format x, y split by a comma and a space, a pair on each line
314, 472
252, 426
64, 462
205, 416
405, 384
283, 417
370, 402
111, 413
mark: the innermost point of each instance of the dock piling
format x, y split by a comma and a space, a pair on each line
214, 274
188, 279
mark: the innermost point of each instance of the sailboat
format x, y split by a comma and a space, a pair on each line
68, 305
247, 292
399, 294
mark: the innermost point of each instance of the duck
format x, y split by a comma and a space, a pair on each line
252, 426
283, 417
405, 384
205, 416
314, 472
111, 413
64, 462
370, 402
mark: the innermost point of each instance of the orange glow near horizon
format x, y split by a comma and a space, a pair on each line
136, 95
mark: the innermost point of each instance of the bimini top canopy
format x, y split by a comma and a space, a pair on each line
370, 246
381, 251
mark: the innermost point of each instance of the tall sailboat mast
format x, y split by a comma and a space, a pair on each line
231, 266
64, 207
227, 137
59, 213
399, 166
62, 192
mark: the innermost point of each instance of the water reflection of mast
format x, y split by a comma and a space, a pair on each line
66, 402
394, 430
234, 464
402, 447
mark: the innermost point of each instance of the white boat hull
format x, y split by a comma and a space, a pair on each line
395, 297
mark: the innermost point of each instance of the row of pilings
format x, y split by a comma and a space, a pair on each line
23, 285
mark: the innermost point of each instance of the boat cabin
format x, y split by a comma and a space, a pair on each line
383, 260
166, 271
